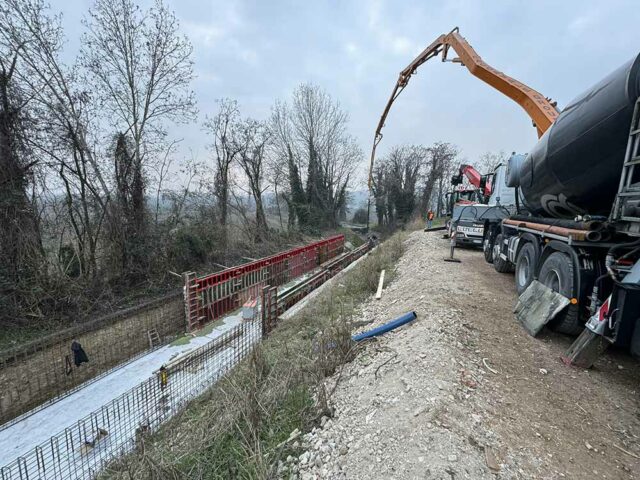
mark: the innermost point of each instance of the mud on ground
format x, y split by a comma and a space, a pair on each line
465, 392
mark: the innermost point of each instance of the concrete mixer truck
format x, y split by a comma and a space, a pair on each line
576, 229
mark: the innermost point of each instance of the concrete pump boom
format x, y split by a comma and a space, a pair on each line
541, 110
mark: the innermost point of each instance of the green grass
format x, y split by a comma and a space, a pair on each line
350, 236
239, 427
227, 456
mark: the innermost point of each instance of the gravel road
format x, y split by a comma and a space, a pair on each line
464, 392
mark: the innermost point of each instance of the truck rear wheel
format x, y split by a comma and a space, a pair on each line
501, 265
557, 274
525, 266
487, 245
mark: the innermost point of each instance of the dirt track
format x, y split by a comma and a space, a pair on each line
420, 402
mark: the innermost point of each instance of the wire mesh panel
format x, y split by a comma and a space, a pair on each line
81, 451
48, 374
117, 428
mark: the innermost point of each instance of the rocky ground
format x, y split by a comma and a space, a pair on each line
464, 392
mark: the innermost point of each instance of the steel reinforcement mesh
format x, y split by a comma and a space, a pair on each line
81, 451
115, 429
41, 371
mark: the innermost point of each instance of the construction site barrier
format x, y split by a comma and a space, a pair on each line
211, 296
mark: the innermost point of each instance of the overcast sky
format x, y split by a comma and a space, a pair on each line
257, 51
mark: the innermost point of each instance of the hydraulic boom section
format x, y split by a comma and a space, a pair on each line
540, 109
475, 179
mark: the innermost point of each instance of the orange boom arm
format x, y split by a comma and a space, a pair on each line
541, 110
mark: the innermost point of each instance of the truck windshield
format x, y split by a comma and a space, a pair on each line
465, 212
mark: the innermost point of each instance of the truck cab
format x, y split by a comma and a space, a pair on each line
465, 225
501, 194
470, 220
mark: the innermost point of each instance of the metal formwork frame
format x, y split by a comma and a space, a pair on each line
211, 296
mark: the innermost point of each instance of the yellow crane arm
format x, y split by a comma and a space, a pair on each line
542, 110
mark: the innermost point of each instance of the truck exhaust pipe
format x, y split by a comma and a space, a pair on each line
594, 225
594, 236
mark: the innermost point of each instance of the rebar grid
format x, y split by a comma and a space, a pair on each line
81, 451
117, 428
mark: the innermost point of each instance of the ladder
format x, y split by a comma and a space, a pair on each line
626, 189
154, 338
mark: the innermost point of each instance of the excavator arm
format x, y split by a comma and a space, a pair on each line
540, 109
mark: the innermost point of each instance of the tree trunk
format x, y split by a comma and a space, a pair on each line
440, 201
275, 187
20, 242
261, 219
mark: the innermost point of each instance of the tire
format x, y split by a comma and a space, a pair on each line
487, 246
526, 261
500, 265
557, 274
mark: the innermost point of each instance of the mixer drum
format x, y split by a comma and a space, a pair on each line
575, 167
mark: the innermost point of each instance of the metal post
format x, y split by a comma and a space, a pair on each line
453, 247
264, 310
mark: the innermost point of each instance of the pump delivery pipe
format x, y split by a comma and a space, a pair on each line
387, 327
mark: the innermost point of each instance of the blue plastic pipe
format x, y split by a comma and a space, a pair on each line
387, 327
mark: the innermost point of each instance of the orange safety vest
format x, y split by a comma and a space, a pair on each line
430, 216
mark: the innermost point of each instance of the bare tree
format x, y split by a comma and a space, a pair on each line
404, 164
312, 136
276, 175
51, 84
62, 138
226, 147
254, 137
380, 189
285, 167
20, 241
142, 69
437, 173
488, 161
396, 187
179, 196
161, 171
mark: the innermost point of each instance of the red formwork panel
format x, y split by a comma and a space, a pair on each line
224, 291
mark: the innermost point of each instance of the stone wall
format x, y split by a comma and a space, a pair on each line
45, 369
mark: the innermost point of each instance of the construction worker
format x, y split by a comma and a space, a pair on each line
430, 216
